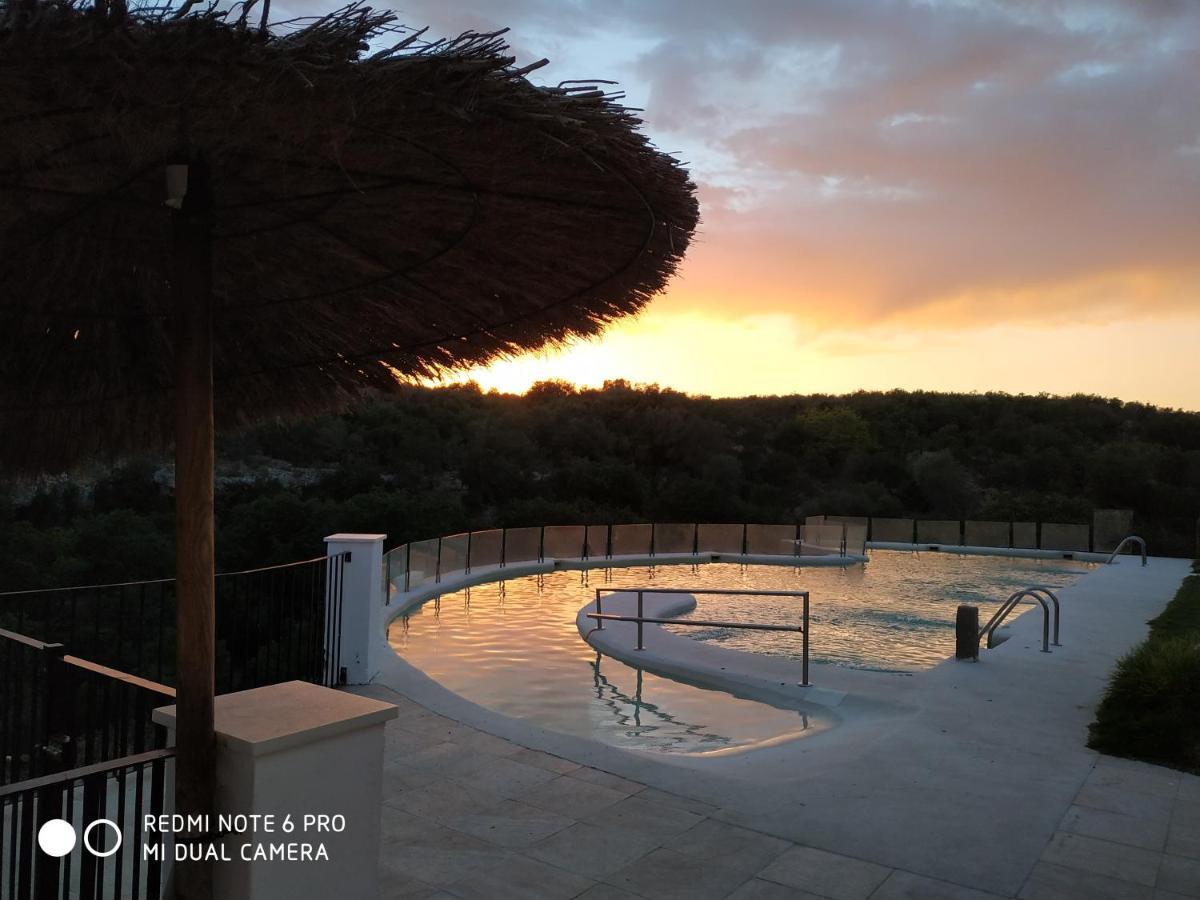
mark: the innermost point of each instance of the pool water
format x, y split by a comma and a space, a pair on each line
894, 613
514, 647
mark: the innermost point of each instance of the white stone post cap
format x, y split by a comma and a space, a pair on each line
350, 538
278, 717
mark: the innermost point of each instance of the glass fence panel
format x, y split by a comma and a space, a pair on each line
395, 563
454, 554
1024, 535
771, 540
821, 540
859, 521
897, 531
1110, 527
811, 521
631, 540
938, 531
563, 541
986, 534
422, 563
674, 537
522, 544
720, 538
486, 547
595, 541
1059, 536
856, 539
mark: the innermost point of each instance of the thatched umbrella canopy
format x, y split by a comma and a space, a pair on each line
194, 206
414, 209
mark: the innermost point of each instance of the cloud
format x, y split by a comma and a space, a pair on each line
942, 161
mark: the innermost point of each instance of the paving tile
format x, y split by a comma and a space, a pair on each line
1180, 875
1168, 895
1183, 840
757, 889
667, 875
691, 805
606, 892
606, 779
1189, 788
572, 797
438, 856
1145, 779
498, 775
1149, 834
646, 817
1127, 802
545, 761
827, 874
593, 850
517, 877
397, 825
1102, 858
1186, 813
488, 743
1049, 881
394, 883
729, 845
435, 727
510, 824
444, 801
907, 886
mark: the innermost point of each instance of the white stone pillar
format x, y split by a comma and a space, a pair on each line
361, 631
295, 750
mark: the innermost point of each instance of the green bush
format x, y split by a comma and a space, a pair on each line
1149, 711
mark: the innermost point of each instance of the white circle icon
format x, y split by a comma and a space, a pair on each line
87, 833
56, 837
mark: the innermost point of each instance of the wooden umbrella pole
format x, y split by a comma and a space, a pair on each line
191, 289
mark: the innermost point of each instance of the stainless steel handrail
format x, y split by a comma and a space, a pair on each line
601, 617
1121, 546
1011, 603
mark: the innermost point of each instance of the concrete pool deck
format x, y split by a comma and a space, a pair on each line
966, 780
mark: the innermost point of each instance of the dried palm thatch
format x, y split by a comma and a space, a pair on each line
376, 213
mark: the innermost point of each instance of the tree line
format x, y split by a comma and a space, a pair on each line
432, 461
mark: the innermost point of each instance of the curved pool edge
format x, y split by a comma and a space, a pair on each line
771, 679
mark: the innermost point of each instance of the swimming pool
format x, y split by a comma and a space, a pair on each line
896, 613
513, 646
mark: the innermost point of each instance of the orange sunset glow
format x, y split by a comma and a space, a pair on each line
946, 195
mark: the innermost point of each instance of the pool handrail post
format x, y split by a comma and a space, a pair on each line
1121, 546
640, 623
804, 652
1039, 589
1009, 605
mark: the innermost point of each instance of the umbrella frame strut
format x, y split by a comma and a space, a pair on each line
192, 333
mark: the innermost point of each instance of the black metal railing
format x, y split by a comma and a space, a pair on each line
272, 624
60, 711
105, 806
600, 617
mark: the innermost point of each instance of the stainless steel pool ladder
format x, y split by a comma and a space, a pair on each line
601, 617
1133, 538
1041, 595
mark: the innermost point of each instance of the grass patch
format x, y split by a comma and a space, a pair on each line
1150, 709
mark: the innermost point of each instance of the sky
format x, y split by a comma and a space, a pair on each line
922, 194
